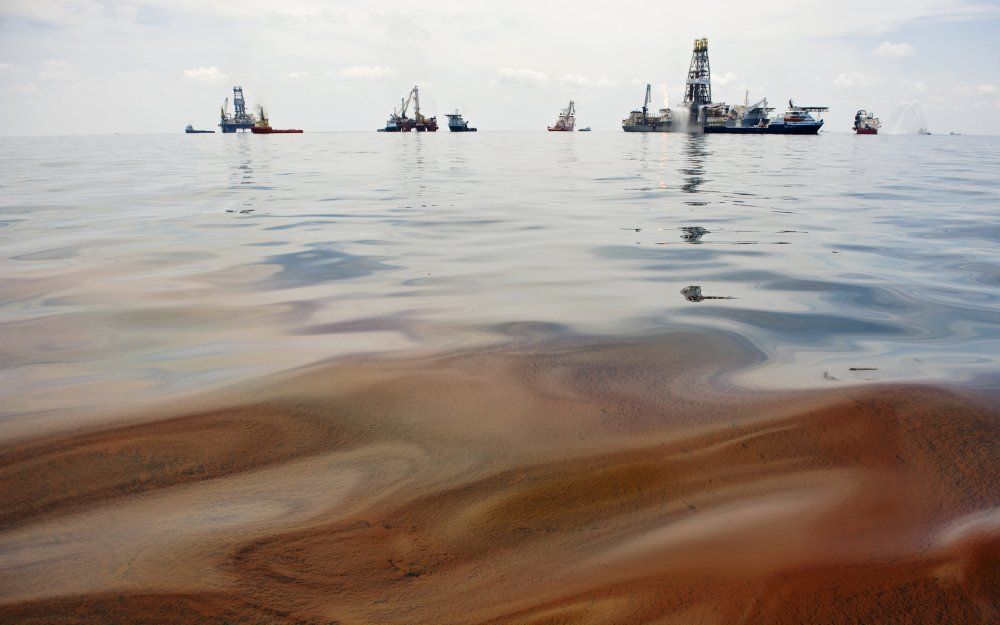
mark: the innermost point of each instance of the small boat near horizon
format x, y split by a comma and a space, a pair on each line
190, 129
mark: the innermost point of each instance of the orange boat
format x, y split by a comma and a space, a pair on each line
263, 127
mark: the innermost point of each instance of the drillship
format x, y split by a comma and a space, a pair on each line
457, 124
866, 123
567, 119
700, 114
641, 121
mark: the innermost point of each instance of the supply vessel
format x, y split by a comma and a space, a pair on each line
753, 120
189, 129
263, 127
866, 123
640, 120
567, 119
457, 124
400, 122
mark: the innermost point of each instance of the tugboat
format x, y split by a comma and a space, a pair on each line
567, 119
189, 129
866, 123
399, 122
457, 124
640, 120
263, 127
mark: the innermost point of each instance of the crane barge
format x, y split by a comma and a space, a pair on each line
400, 122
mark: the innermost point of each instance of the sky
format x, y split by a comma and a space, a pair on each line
92, 67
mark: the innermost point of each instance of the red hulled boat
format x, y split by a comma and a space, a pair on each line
263, 127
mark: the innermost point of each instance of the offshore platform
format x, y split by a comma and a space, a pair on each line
240, 120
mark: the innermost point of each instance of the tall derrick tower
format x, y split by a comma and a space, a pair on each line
241, 120
239, 104
699, 81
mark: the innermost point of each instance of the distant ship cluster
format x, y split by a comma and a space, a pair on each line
697, 114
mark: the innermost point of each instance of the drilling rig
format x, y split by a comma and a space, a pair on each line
698, 92
241, 120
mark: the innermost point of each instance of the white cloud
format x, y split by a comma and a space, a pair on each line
723, 79
26, 88
912, 85
297, 75
366, 72
575, 81
582, 81
855, 79
521, 77
895, 50
54, 69
988, 89
6, 67
205, 74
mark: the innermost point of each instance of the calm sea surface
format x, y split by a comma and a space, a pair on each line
139, 267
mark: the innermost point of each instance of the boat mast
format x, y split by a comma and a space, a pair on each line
645, 102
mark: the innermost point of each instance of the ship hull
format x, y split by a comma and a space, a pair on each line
230, 127
866, 131
462, 129
560, 129
667, 127
275, 131
200, 132
773, 129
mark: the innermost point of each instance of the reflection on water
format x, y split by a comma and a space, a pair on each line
160, 265
695, 152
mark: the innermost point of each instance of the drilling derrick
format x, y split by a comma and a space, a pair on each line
241, 120
698, 92
699, 81
239, 104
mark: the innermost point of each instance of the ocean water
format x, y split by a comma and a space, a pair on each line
137, 268
499, 378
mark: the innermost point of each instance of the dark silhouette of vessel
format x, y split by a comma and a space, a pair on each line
457, 124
